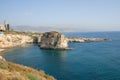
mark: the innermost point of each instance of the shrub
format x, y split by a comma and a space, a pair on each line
32, 77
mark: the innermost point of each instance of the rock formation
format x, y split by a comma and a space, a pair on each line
12, 40
53, 40
47, 40
75, 39
56, 40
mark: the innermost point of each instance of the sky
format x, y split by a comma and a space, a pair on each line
68, 15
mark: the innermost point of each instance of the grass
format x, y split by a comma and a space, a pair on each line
12, 71
23, 33
32, 77
34, 35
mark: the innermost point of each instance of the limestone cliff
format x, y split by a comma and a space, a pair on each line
53, 40
12, 40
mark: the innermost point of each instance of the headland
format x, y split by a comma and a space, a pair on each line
48, 40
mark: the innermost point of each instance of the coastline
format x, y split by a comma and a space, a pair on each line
69, 39
11, 39
17, 46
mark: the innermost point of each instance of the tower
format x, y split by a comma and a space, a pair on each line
6, 25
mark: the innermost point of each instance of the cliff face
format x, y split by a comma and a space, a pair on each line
12, 71
11, 40
53, 40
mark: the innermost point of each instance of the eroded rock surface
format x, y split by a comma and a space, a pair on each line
53, 40
10, 40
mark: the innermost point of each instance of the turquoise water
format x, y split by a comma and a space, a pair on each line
87, 61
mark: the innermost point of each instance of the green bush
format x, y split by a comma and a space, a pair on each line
31, 77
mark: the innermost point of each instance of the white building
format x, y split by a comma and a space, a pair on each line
4, 27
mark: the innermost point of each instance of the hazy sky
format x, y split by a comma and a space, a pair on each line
86, 15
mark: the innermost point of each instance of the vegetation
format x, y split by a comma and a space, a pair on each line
12, 71
31, 77
24, 33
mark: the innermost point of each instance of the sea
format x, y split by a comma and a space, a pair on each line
87, 60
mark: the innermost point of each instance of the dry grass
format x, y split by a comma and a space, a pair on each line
12, 71
22, 33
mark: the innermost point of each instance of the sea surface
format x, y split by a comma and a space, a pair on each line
87, 61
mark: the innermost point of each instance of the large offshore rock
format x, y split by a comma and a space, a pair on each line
53, 40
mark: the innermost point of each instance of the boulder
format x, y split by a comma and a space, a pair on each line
53, 40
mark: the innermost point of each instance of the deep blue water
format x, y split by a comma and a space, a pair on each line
87, 61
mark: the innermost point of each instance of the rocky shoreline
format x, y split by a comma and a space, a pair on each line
57, 41
10, 40
13, 39
48, 40
75, 39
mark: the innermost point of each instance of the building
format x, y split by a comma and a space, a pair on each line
4, 27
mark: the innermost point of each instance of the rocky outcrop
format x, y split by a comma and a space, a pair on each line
56, 40
53, 40
12, 40
73, 39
